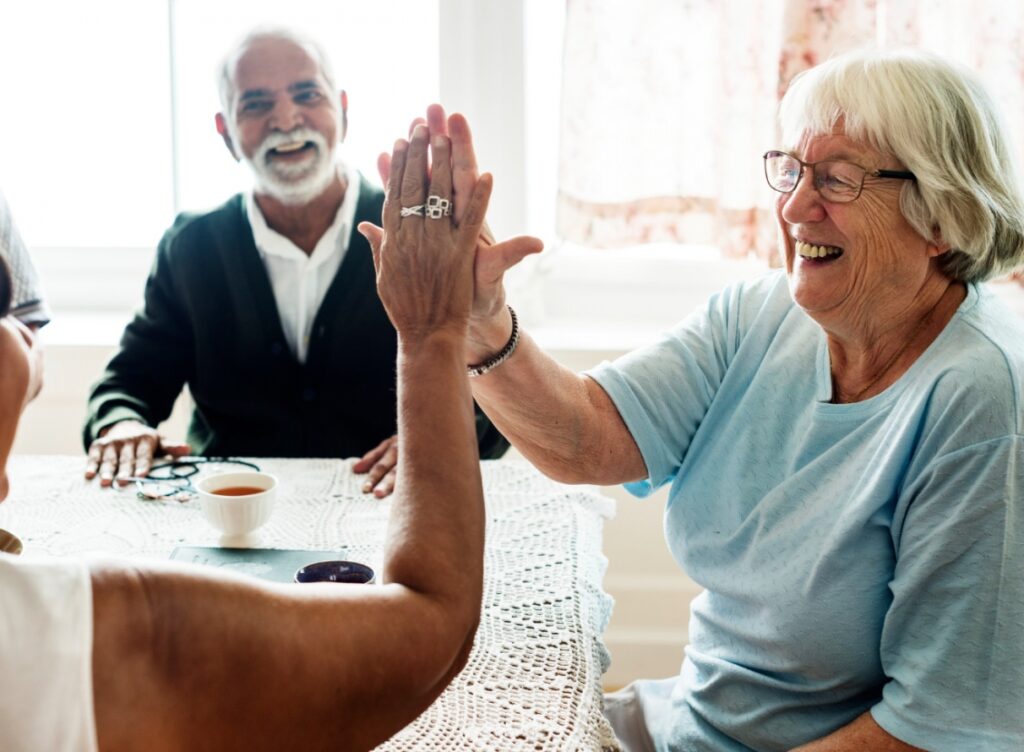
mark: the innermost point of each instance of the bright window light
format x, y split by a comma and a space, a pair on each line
96, 153
86, 132
383, 94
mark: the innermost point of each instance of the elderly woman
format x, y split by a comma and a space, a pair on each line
844, 439
133, 655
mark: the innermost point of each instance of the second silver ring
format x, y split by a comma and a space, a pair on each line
438, 207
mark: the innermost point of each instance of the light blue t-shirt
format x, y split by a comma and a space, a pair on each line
856, 557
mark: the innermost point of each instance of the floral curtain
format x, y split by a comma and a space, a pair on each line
667, 105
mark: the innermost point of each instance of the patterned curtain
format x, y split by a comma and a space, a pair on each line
667, 105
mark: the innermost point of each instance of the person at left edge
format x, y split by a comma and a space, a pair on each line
265, 307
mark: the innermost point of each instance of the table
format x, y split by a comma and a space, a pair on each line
533, 681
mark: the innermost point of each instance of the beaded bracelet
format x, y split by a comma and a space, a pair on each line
502, 355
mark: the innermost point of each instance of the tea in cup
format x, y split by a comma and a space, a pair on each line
237, 504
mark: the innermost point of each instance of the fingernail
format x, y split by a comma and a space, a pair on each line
367, 487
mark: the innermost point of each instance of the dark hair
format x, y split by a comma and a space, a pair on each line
5, 289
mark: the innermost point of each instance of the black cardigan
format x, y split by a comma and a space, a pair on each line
210, 321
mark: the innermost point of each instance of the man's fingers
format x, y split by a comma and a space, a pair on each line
143, 458
126, 462
386, 459
176, 450
369, 459
92, 464
108, 466
386, 485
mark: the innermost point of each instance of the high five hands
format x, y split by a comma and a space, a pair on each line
491, 259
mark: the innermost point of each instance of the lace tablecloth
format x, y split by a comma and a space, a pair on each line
533, 681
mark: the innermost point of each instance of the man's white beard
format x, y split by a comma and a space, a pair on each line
293, 184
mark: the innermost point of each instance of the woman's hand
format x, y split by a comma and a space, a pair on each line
489, 324
425, 264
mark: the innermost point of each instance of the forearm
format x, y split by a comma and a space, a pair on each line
562, 422
131, 390
863, 733
436, 531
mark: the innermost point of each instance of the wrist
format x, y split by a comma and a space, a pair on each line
488, 336
440, 342
121, 425
497, 358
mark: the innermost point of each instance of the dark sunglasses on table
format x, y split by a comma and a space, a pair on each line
172, 481
837, 181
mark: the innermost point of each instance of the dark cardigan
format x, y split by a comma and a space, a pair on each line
210, 321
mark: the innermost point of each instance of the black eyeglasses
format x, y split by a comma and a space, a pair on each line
173, 480
837, 181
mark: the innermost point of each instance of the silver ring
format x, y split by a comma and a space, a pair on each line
438, 207
411, 211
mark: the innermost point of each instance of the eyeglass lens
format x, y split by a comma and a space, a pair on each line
836, 181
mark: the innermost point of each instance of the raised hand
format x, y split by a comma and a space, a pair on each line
488, 315
425, 264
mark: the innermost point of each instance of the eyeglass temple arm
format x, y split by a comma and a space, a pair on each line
899, 174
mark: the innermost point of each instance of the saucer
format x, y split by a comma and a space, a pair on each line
10, 543
336, 571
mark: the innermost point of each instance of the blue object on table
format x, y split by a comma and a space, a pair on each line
336, 571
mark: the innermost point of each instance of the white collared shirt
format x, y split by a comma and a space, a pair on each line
300, 281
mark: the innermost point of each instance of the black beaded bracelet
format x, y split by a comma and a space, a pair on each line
502, 355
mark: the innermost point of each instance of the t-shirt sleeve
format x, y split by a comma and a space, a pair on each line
27, 301
46, 700
953, 638
663, 391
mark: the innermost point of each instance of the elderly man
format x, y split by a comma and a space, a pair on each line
266, 306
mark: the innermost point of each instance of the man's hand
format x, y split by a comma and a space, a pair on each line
127, 449
382, 464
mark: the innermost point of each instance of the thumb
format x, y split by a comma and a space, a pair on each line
176, 450
493, 261
374, 236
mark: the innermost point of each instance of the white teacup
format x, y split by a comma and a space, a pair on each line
237, 504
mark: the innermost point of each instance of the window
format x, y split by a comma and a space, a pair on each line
109, 119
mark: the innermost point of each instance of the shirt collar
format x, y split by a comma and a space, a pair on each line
336, 239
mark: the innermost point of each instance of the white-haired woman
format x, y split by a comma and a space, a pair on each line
844, 438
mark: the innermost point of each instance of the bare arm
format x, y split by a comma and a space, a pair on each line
561, 421
863, 733
189, 661
17, 366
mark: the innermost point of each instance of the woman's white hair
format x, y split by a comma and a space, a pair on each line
938, 121
226, 69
